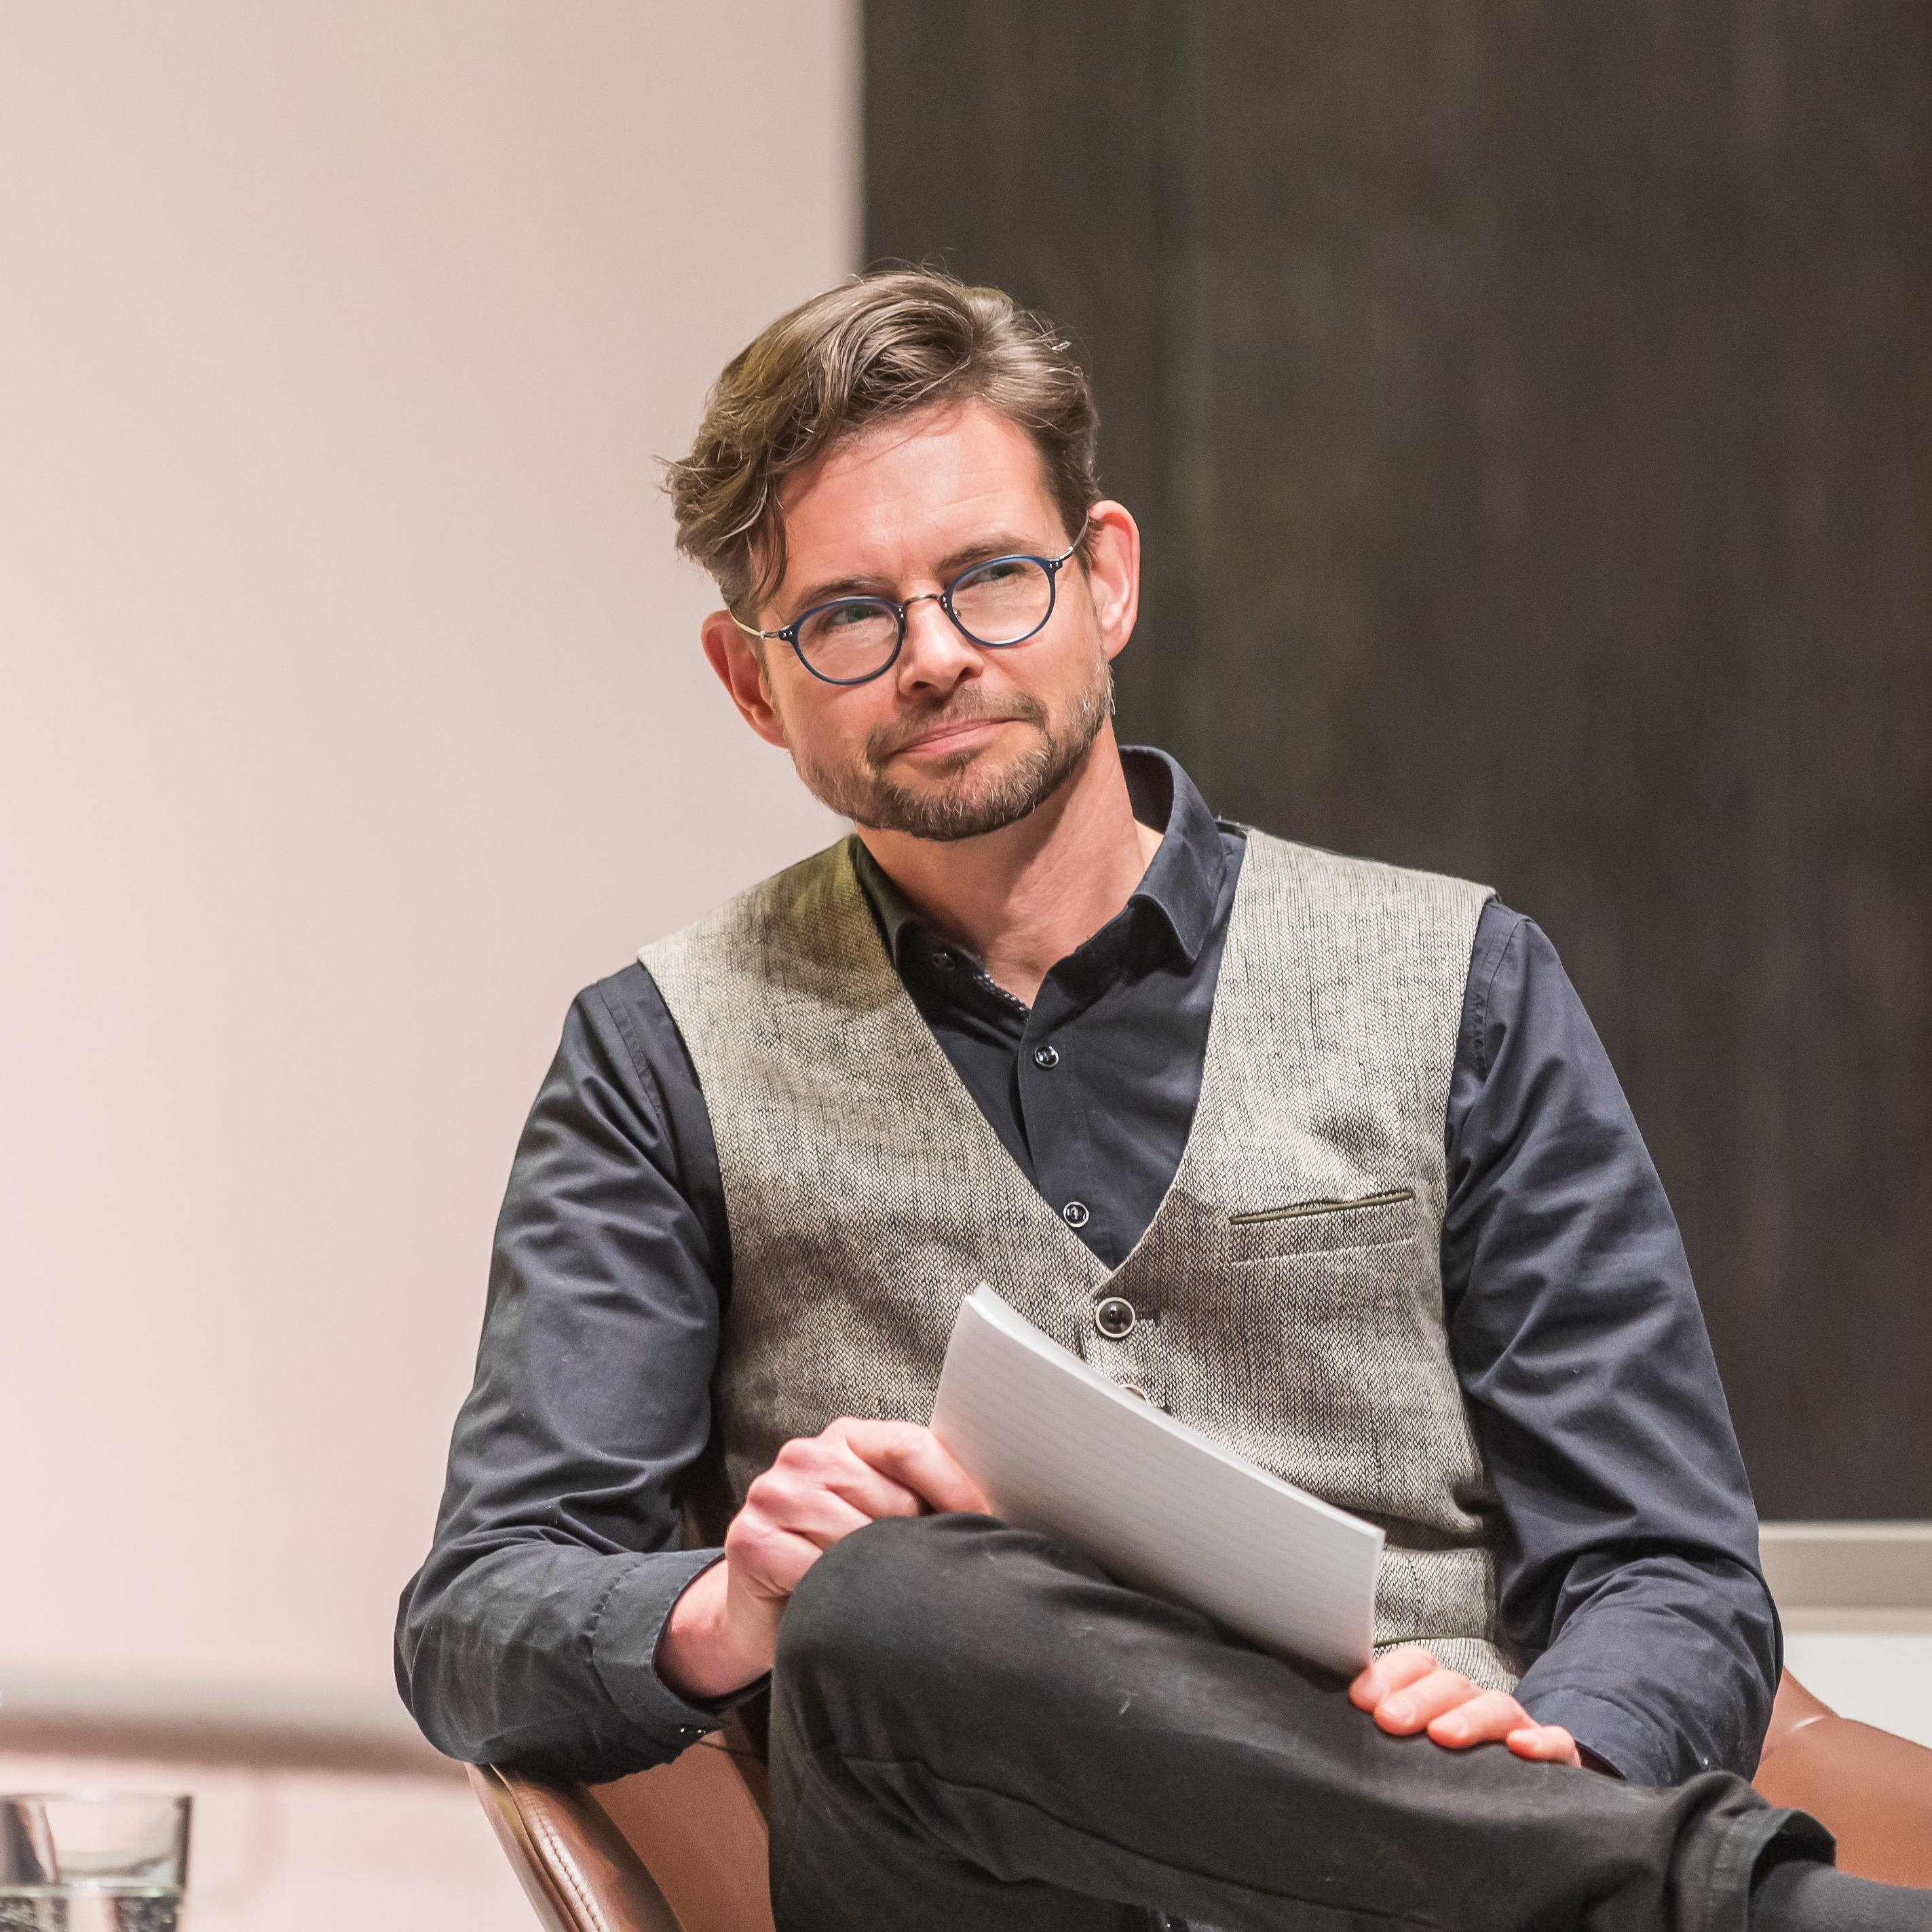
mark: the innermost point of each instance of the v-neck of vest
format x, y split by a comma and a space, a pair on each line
938, 1066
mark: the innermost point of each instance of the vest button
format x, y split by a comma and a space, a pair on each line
1075, 1214
943, 960
1115, 1318
1046, 1056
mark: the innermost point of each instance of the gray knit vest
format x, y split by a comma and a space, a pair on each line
1288, 1291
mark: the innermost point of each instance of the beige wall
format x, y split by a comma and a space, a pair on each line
351, 717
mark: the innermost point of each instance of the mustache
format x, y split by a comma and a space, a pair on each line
890, 739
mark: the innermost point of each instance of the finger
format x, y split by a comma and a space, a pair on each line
838, 1471
786, 1523
1399, 1668
766, 1561
1486, 1718
917, 1458
817, 1512
817, 1464
1428, 1697
1546, 1744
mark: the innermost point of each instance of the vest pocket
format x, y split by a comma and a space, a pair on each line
1318, 1225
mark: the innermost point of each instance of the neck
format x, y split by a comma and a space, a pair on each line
1021, 899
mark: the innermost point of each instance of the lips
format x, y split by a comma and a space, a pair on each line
943, 737
942, 730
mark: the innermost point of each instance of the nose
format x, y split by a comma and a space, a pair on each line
935, 654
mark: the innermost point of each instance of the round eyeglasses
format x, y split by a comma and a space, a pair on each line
995, 604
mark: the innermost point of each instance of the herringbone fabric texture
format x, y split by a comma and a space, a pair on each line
1289, 1290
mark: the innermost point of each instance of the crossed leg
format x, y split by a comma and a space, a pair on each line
974, 1728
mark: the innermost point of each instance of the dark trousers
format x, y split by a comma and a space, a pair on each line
971, 1727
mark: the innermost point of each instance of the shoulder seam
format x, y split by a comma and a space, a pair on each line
1518, 920
652, 1092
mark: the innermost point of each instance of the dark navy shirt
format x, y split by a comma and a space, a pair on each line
1629, 1575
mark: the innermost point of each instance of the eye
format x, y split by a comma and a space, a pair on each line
1000, 570
848, 616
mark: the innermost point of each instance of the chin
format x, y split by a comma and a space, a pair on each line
967, 794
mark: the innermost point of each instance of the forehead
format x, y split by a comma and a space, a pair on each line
893, 499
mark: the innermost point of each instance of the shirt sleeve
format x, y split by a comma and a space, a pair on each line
529, 1637
1629, 1575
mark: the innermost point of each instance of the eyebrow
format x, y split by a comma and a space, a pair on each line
1000, 544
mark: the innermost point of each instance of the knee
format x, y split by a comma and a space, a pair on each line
908, 1596
874, 1594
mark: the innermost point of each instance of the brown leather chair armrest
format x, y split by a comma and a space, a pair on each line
578, 1872
698, 1823
1794, 1706
1872, 1791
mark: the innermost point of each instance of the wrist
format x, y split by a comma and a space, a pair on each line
703, 1650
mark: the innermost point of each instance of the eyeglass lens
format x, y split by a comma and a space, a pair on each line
1000, 603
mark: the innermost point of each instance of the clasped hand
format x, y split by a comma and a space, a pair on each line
723, 1630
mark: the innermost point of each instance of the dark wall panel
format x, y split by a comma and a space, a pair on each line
1529, 409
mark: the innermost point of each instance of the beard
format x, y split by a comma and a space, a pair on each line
973, 797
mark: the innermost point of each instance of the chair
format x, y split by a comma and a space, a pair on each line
682, 1848
679, 1848
1872, 1791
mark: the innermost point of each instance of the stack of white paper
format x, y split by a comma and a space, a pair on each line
1060, 1449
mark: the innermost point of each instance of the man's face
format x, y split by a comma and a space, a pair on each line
955, 740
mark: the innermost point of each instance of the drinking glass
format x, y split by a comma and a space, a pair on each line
92, 1860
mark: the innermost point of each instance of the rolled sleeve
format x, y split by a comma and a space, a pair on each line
624, 1648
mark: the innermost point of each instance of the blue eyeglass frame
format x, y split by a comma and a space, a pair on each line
788, 633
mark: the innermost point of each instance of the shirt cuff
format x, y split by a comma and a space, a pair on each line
624, 1648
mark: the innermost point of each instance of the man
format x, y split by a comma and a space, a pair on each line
1321, 1155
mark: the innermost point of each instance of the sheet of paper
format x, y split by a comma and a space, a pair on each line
1059, 1448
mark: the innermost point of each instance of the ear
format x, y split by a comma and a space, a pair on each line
734, 657
1114, 573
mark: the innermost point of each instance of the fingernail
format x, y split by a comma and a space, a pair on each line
1398, 1709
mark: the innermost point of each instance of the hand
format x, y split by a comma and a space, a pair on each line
722, 1631
1407, 1690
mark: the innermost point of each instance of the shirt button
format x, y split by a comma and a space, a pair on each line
943, 960
1114, 1318
1046, 1056
1075, 1214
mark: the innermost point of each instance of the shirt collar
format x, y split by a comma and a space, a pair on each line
1183, 885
